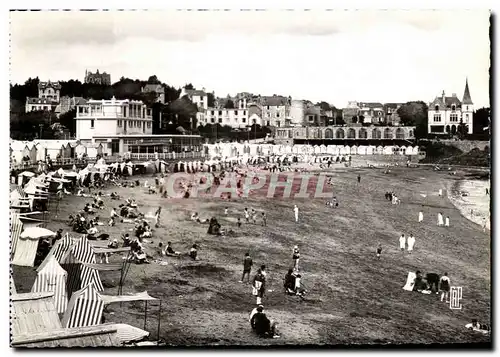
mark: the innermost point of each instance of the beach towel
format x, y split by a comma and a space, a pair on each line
410, 281
482, 329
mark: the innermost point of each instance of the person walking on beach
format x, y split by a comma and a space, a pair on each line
359, 178
296, 211
264, 219
411, 243
379, 251
247, 267
447, 221
440, 219
440, 192
420, 216
247, 215
295, 257
402, 243
444, 287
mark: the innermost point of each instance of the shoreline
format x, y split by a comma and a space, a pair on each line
476, 199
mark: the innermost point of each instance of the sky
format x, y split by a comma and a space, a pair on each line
335, 56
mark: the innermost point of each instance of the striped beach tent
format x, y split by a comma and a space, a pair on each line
16, 227
51, 277
13, 289
58, 250
80, 275
26, 247
84, 308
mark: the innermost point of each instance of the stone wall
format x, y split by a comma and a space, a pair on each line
466, 145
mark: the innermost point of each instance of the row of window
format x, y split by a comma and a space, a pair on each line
227, 113
453, 107
133, 123
453, 118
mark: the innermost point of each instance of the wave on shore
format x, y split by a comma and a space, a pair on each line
475, 199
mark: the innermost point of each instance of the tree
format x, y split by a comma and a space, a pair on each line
153, 80
415, 114
210, 100
189, 86
324, 106
68, 121
481, 120
461, 130
229, 104
354, 119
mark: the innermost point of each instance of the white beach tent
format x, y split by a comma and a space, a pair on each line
51, 277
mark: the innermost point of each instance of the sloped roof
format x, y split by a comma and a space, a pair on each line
448, 102
105, 335
79, 101
467, 98
43, 85
33, 312
274, 101
192, 92
41, 101
370, 105
154, 88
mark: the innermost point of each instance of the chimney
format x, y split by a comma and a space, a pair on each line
443, 96
203, 89
454, 95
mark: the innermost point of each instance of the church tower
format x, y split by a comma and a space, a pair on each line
467, 108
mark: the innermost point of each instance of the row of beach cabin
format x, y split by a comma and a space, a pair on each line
39, 150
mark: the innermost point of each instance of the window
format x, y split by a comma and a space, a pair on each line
244, 112
220, 112
212, 120
467, 107
119, 123
268, 107
243, 120
454, 117
437, 117
91, 123
453, 107
220, 120
268, 123
466, 117
235, 112
213, 112
277, 115
436, 108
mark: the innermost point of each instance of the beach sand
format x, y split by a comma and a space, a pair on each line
476, 199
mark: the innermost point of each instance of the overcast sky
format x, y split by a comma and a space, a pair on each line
336, 56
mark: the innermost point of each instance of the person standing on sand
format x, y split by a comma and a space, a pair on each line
420, 216
444, 287
440, 219
447, 221
402, 243
359, 178
259, 284
411, 243
379, 251
247, 267
484, 224
264, 219
440, 192
296, 211
239, 222
247, 215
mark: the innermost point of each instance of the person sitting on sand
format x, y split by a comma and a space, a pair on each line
170, 251
113, 244
263, 327
193, 253
140, 257
476, 326
126, 240
88, 208
195, 217
420, 284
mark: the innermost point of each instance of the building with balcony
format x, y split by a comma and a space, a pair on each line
372, 112
275, 110
445, 114
352, 135
126, 126
97, 78
235, 118
68, 103
35, 104
48, 97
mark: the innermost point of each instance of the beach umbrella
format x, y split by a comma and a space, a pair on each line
27, 174
37, 233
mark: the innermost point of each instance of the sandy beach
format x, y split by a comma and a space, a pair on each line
475, 200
